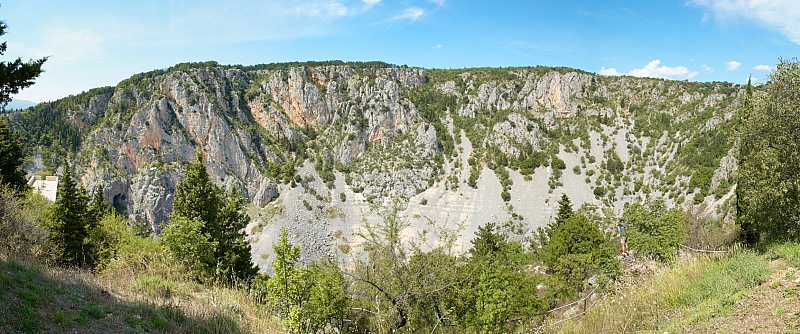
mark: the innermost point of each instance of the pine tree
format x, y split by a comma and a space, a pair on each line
68, 223
98, 206
233, 250
576, 250
543, 235
11, 172
221, 220
198, 197
564, 210
16, 75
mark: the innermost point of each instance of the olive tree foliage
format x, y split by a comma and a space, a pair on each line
653, 230
768, 185
206, 229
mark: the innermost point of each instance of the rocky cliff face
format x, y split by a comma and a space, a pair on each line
348, 139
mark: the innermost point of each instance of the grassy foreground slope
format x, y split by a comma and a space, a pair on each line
748, 291
43, 299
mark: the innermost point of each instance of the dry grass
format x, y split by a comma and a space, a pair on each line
43, 299
692, 290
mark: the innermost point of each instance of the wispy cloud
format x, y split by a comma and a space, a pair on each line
780, 15
326, 9
763, 68
652, 70
706, 68
732, 65
437, 46
411, 14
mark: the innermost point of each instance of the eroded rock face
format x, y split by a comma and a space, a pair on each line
517, 129
254, 128
242, 123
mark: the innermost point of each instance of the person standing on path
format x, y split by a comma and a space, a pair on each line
622, 239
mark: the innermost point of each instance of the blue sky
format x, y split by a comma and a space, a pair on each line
99, 43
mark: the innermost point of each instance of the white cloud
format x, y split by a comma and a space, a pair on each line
437, 46
733, 65
652, 70
780, 15
609, 71
706, 68
762, 68
412, 14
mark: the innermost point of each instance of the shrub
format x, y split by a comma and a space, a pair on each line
19, 234
599, 191
577, 250
654, 230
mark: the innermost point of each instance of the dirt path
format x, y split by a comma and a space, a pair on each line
718, 202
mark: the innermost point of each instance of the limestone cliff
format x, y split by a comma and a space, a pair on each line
323, 147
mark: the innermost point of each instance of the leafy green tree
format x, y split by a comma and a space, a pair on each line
495, 292
654, 230
214, 219
309, 298
184, 238
577, 250
398, 282
20, 233
769, 172
16, 75
69, 223
287, 286
328, 299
